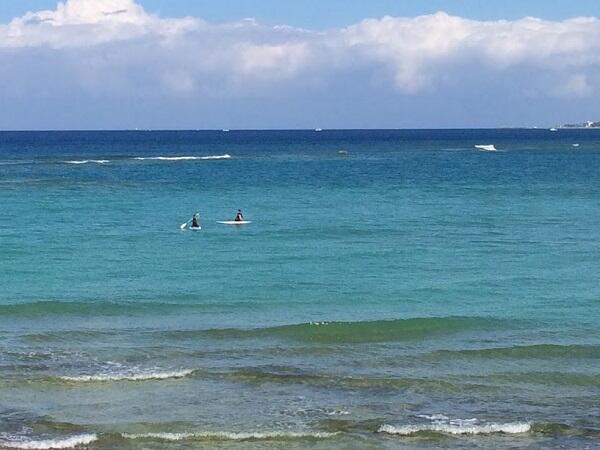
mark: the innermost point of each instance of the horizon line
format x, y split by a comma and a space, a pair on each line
225, 130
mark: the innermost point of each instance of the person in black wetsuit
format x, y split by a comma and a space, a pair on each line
239, 217
195, 223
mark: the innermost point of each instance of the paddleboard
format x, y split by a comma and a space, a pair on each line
235, 222
194, 228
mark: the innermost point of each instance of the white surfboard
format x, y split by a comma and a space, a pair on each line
194, 228
234, 222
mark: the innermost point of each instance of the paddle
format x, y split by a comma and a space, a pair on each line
183, 225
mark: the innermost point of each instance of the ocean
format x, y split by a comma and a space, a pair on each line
396, 289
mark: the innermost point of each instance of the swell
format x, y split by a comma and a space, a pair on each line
314, 332
537, 351
333, 381
548, 378
356, 332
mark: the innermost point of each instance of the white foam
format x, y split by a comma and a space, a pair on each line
143, 376
181, 158
87, 161
469, 426
230, 436
486, 147
433, 417
51, 444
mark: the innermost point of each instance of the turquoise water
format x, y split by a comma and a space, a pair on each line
408, 292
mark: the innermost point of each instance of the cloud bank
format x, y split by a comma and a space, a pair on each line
115, 49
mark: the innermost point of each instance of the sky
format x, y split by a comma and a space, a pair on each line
203, 64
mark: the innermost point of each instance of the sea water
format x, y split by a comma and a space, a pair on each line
395, 289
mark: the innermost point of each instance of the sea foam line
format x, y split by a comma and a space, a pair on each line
144, 376
51, 444
457, 427
181, 158
231, 436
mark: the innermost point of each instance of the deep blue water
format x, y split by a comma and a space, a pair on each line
395, 289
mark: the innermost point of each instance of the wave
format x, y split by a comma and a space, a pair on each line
181, 158
231, 436
296, 376
486, 147
548, 378
538, 351
140, 376
87, 161
50, 444
363, 332
457, 427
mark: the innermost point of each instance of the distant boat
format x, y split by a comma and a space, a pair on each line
318, 129
342, 152
225, 130
553, 129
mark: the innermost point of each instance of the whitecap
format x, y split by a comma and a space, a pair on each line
433, 417
181, 158
50, 444
486, 147
456, 427
87, 161
140, 376
231, 436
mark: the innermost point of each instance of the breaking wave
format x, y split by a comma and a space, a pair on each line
87, 161
231, 436
486, 148
181, 158
140, 376
49, 444
441, 424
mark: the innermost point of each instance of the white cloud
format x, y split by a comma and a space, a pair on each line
419, 50
82, 23
284, 59
115, 46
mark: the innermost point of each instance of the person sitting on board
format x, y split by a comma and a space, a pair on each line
239, 217
195, 223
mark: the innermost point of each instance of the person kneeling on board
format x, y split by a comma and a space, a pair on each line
239, 217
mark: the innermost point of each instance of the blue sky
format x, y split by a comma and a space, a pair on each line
333, 63
328, 13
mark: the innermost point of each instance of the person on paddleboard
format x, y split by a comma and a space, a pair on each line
239, 217
195, 223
